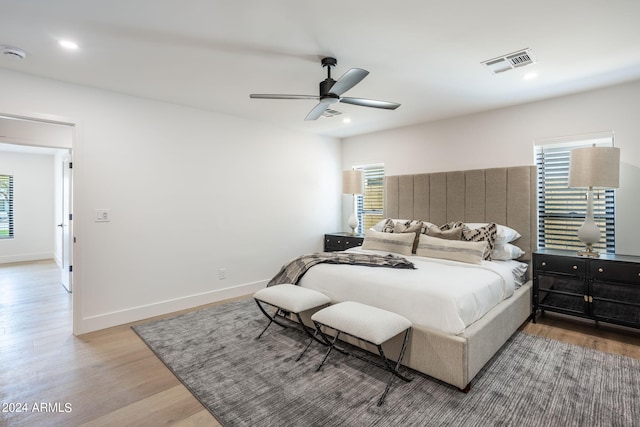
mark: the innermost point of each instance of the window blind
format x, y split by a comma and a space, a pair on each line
370, 205
6, 206
561, 210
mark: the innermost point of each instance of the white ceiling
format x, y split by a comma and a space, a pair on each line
425, 55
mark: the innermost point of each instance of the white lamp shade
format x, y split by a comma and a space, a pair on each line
352, 182
597, 167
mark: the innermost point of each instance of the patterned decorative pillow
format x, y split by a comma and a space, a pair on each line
450, 234
505, 234
388, 226
399, 243
456, 250
425, 225
485, 233
451, 225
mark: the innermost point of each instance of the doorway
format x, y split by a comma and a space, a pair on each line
23, 140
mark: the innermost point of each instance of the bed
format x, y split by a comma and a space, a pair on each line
453, 353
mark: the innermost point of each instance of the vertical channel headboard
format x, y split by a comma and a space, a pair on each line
502, 195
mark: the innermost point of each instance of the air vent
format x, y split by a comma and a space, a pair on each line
331, 113
510, 61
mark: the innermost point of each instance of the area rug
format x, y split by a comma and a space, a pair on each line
532, 381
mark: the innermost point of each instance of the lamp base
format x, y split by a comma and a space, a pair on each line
589, 233
353, 224
589, 252
353, 219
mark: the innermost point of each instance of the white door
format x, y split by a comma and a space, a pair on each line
65, 226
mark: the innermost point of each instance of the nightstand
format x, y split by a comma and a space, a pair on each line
341, 241
605, 289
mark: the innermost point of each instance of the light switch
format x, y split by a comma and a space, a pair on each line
102, 215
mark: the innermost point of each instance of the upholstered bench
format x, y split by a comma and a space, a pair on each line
288, 298
366, 323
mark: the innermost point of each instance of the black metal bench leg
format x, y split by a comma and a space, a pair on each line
308, 345
308, 330
272, 319
331, 346
394, 371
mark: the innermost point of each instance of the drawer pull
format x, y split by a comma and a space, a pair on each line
544, 264
586, 298
600, 270
575, 267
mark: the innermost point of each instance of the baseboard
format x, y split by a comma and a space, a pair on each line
25, 257
108, 320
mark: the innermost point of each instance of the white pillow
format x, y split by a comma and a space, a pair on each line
504, 234
456, 250
506, 251
519, 270
400, 243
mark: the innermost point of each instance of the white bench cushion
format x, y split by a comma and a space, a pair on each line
291, 297
362, 321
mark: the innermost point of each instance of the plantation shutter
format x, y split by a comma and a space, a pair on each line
370, 204
561, 210
6, 206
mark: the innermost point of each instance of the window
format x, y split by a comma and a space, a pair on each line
561, 210
6, 206
371, 203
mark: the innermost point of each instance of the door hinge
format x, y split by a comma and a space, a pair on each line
70, 165
70, 268
70, 217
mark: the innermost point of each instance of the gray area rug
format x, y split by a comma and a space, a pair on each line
532, 381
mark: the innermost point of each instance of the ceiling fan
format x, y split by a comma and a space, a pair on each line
331, 92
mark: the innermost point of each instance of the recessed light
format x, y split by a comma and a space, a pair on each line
346, 120
68, 44
530, 76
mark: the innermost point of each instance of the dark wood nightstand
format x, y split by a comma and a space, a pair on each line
605, 289
341, 241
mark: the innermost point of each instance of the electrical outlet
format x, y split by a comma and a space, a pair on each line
222, 273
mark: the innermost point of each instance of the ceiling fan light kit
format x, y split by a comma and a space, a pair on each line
13, 52
331, 92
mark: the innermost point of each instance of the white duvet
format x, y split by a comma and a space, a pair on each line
444, 295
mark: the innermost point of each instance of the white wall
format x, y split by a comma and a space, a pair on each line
33, 207
189, 192
505, 137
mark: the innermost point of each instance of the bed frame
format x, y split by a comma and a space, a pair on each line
503, 195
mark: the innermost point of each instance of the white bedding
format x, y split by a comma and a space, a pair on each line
444, 295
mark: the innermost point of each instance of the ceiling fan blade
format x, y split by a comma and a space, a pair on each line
370, 103
348, 80
280, 96
317, 111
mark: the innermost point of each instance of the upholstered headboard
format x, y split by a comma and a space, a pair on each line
502, 195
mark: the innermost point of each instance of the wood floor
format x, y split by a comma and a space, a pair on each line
111, 378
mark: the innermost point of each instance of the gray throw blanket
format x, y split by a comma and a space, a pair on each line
293, 271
